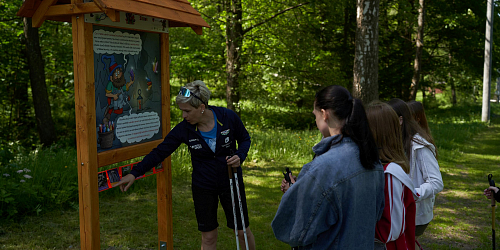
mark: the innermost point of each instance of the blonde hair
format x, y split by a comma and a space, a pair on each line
197, 88
384, 124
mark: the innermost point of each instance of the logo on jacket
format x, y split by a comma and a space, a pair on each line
226, 140
196, 146
225, 132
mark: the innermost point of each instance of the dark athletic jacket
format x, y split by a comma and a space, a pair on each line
209, 168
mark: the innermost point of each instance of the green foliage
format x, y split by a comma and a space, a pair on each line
277, 117
285, 58
15, 119
17, 115
36, 181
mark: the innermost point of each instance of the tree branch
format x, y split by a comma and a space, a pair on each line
216, 19
272, 17
11, 19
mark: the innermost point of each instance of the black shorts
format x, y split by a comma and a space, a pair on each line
206, 203
419, 229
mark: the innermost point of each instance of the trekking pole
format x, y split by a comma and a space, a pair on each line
241, 208
492, 184
230, 173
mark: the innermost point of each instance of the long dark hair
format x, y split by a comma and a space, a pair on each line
419, 115
346, 108
409, 127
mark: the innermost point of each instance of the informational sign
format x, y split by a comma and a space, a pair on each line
106, 179
127, 87
130, 21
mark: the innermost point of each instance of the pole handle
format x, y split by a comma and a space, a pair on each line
492, 184
230, 170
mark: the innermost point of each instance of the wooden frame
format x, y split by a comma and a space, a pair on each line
164, 190
88, 158
83, 60
179, 13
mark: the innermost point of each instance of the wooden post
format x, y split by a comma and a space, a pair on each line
164, 179
83, 66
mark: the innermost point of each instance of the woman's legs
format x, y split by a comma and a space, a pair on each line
250, 238
209, 240
419, 230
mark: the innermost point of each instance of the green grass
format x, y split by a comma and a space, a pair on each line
468, 151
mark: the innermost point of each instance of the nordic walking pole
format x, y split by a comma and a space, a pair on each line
492, 184
241, 208
230, 173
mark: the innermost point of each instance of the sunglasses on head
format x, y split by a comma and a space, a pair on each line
187, 93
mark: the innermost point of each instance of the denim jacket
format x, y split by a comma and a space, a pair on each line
335, 203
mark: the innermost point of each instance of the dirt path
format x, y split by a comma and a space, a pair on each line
462, 215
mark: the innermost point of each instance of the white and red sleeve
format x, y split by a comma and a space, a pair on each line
392, 224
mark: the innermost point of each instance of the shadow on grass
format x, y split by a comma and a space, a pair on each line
462, 215
130, 221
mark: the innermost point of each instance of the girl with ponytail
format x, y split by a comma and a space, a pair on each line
338, 196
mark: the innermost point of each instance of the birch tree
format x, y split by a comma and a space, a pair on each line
365, 84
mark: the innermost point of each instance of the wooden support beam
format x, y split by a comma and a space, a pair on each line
197, 29
39, 16
164, 179
174, 5
101, 4
113, 15
156, 11
126, 153
72, 9
83, 66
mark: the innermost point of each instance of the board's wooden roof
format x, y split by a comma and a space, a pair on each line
179, 13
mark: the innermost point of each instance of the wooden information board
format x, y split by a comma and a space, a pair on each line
118, 121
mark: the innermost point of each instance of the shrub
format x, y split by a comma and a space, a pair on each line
32, 182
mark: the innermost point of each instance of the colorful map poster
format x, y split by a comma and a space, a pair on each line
127, 87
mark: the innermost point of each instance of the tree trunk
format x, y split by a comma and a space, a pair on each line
44, 122
423, 87
405, 26
488, 48
452, 84
423, 93
365, 85
420, 45
234, 41
497, 90
349, 34
453, 91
